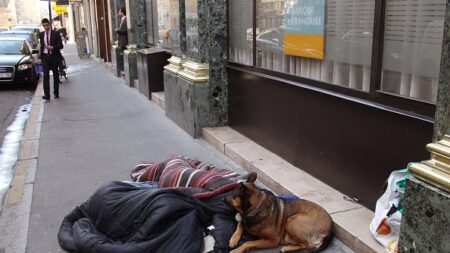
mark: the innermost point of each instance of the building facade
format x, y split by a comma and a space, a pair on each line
347, 91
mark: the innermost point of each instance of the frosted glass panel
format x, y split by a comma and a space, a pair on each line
241, 31
412, 47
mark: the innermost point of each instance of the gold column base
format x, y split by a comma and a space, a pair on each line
175, 64
132, 48
194, 72
437, 170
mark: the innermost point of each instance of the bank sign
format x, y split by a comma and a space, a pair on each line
304, 28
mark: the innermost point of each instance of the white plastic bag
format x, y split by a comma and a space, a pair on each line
385, 226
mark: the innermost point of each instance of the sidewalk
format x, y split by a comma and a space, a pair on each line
95, 133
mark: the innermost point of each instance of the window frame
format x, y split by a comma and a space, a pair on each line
376, 97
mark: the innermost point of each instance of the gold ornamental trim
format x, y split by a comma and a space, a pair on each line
175, 64
437, 170
132, 48
194, 72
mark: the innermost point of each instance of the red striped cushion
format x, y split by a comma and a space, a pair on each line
200, 179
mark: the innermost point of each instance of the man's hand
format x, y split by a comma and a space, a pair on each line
50, 47
117, 29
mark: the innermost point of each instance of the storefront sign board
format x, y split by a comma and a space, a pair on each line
304, 31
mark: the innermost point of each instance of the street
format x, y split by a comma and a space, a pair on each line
15, 100
11, 98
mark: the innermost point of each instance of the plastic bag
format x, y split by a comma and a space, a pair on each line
385, 226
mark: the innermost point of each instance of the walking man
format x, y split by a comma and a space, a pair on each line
50, 56
122, 30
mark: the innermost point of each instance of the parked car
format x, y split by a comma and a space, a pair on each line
32, 28
17, 64
29, 36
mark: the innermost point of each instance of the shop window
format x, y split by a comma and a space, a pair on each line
240, 13
168, 23
338, 50
412, 48
336, 47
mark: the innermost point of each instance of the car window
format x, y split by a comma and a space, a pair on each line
28, 36
11, 46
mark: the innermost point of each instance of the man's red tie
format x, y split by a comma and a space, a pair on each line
48, 42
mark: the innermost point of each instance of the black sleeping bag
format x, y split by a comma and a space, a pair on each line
124, 218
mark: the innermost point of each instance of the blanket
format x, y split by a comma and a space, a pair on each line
200, 179
166, 209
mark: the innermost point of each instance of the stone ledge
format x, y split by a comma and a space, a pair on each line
351, 220
159, 99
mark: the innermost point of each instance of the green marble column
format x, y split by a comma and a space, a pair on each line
136, 22
217, 59
196, 33
117, 60
137, 37
425, 223
202, 79
130, 66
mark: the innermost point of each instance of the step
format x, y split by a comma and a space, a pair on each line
351, 220
159, 99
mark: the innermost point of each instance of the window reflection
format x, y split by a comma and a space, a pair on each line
168, 23
347, 42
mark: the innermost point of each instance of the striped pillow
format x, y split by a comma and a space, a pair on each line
200, 179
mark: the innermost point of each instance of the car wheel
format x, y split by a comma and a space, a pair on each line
33, 83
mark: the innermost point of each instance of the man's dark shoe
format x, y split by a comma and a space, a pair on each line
46, 98
56, 96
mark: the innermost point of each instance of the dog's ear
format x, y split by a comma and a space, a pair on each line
251, 177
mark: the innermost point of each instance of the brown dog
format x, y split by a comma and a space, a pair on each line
294, 223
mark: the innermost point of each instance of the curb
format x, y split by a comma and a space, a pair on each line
15, 215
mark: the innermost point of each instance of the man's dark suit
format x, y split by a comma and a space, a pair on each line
50, 61
122, 32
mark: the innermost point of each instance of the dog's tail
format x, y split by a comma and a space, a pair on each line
326, 241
